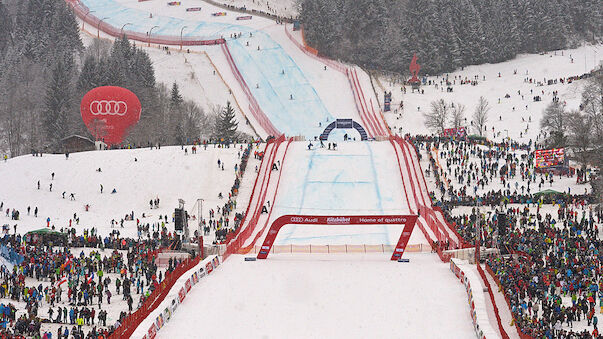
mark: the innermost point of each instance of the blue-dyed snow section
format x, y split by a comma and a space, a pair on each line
287, 99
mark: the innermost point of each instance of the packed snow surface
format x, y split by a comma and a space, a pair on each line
137, 175
318, 296
359, 178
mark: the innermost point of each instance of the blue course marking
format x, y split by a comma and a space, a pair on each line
303, 197
376, 181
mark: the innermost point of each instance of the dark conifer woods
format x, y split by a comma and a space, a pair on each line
445, 34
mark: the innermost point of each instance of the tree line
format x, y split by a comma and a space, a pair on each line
445, 34
45, 70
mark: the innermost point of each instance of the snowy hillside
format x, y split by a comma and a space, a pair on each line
138, 176
517, 117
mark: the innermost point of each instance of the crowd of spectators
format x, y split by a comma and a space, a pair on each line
76, 283
549, 269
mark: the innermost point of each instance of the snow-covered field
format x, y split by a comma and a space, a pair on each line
138, 176
317, 296
518, 116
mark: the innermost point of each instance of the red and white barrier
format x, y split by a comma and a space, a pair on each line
246, 249
149, 327
475, 298
258, 196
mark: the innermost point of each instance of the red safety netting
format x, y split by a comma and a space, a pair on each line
246, 249
519, 331
84, 14
503, 333
236, 240
312, 52
131, 322
254, 107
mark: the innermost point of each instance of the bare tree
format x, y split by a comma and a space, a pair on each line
480, 116
458, 115
592, 105
435, 119
580, 135
554, 121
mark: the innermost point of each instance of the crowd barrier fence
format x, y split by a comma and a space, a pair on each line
244, 250
500, 287
477, 302
503, 333
166, 314
234, 243
131, 322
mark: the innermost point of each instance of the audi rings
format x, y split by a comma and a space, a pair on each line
108, 107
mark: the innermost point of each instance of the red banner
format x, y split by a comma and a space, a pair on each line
407, 220
152, 331
181, 294
209, 267
549, 157
455, 132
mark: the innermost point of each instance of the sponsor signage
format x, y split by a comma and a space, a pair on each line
549, 157
407, 220
109, 112
245, 17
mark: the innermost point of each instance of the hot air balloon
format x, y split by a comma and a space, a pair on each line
110, 112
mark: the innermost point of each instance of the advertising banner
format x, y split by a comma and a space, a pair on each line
181, 294
455, 132
549, 157
407, 220
245, 17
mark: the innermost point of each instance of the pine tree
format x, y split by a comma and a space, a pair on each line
57, 103
5, 28
176, 99
226, 126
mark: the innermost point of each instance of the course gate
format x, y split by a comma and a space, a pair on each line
344, 123
330, 220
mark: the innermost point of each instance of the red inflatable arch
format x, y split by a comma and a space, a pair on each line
330, 220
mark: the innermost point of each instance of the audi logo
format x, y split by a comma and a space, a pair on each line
108, 107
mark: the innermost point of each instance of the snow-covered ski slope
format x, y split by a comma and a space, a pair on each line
275, 80
325, 296
358, 178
